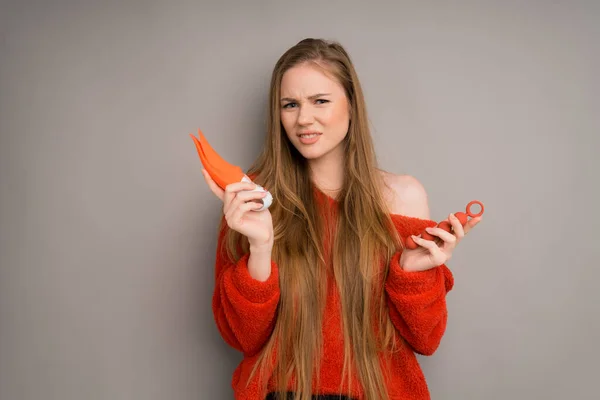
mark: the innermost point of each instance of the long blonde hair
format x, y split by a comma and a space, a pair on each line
362, 241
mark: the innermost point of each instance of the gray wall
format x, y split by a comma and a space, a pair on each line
108, 230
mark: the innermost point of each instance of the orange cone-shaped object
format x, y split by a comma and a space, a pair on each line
222, 172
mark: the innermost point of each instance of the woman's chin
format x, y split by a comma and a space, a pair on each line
311, 154
314, 152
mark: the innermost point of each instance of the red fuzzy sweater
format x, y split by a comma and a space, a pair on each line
245, 312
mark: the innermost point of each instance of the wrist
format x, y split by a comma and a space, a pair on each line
260, 249
259, 262
401, 261
401, 264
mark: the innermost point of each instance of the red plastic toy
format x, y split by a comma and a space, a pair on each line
445, 225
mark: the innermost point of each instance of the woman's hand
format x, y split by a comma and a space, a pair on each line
433, 253
239, 207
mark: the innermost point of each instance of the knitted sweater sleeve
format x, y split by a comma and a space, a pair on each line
417, 300
244, 308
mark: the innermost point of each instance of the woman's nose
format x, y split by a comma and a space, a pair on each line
305, 116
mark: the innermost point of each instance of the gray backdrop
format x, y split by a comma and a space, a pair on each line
108, 230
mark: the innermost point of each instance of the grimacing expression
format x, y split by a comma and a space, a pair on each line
315, 111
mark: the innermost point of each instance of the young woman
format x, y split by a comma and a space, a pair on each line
318, 291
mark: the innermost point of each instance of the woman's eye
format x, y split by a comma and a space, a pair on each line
294, 104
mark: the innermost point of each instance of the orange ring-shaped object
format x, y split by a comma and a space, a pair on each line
469, 209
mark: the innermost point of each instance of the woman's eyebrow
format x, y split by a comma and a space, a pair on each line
314, 96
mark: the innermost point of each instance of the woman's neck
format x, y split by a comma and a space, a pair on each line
327, 172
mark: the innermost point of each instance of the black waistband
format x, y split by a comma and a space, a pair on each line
290, 396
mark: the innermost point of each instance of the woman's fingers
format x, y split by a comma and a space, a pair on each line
212, 185
232, 190
457, 227
235, 194
244, 197
428, 244
471, 223
446, 237
235, 215
436, 253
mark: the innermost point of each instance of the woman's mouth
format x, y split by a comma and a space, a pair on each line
309, 137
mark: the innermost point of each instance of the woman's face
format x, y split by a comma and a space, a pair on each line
315, 111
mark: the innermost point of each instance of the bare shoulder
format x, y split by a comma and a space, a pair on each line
405, 195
